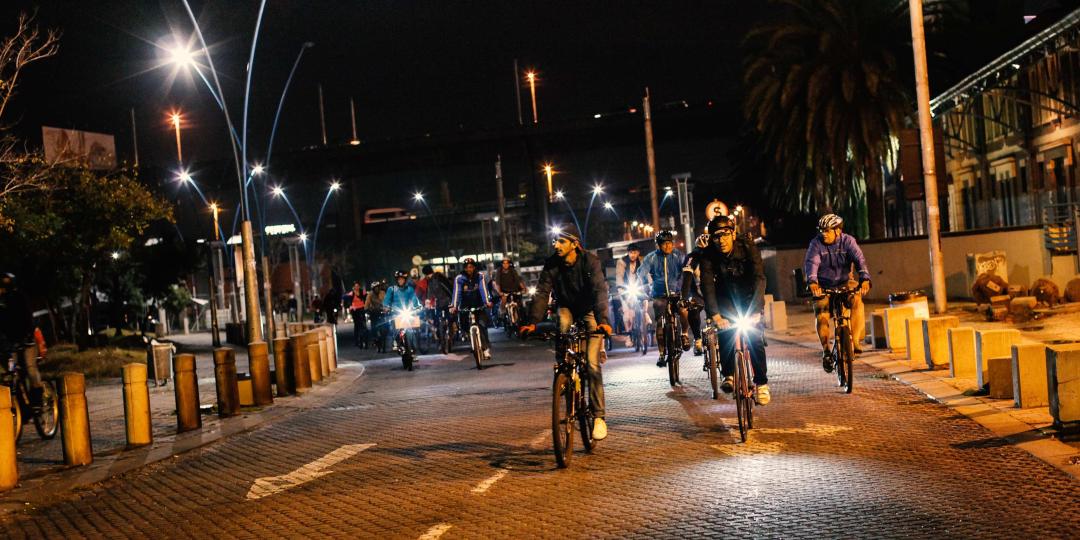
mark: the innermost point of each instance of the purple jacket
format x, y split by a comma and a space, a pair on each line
829, 266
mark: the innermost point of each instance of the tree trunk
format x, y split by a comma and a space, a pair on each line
875, 201
83, 330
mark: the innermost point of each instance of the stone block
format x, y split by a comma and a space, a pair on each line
877, 329
896, 326
778, 316
992, 344
914, 342
1029, 375
999, 375
936, 340
961, 351
768, 310
1063, 383
1022, 307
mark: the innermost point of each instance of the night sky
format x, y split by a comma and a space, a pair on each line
413, 67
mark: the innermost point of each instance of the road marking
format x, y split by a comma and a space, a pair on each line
269, 485
486, 484
435, 532
750, 448
820, 430
539, 439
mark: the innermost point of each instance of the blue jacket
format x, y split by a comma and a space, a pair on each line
663, 271
830, 265
401, 298
470, 293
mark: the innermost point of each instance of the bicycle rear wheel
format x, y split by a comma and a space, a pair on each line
846, 360
16, 415
45, 420
562, 431
585, 417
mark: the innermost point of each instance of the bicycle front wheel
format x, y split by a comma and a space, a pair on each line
711, 351
562, 430
585, 417
743, 401
45, 420
845, 362
16, 416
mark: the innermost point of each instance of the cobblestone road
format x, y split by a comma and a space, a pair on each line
459, 453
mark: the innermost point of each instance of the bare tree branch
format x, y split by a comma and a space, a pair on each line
26, 46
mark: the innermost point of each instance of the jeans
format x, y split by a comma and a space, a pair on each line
754, 342
596, 376
858, 319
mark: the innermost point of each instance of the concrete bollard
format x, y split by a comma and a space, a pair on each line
331, 345
877, 329
298, 358
137, 424
244, 390
75, 420
314, 363
913, 334
228, 392
768, 310
9, 468
1029, 375
283, 368
1063, 384
186, 392
961, 352
262, 392
992, 344
896, 327
936, 340
324, 352
778, 316
999, 376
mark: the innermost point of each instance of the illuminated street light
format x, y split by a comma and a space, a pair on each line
335, 185
115, 255
597, 190
278, 191
418, 197
185, 177
175, 118
531, 76
555, 229
559, 194
181, 56
609, 206
257, 170
303, 237
549, 171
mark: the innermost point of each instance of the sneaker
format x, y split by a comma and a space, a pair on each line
761, 395
728, 385
599, 429
827, 361
686, 342
662, 362
698, 349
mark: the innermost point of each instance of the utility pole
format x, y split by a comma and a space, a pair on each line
134, 138
352, 114
502, 203
686, 208
322, 115
926, 138
517, 92
650, 156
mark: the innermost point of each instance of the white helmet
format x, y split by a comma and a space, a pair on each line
829, 221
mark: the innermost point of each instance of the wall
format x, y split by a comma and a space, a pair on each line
904, 265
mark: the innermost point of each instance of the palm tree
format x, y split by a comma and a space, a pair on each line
827, 92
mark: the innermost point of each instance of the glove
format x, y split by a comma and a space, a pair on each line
526, 329
721, 322
605, 328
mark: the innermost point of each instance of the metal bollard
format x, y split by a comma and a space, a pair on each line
228, 390
298, 359
283, 368
259, 365
136, 405
186, 391
324, 352
9, 469
314, 365
75, 420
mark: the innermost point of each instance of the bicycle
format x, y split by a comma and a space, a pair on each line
476, 341
406, 322
843, 346
711, 342
669, 325
744, 377
512, 317
570, 402
17, 377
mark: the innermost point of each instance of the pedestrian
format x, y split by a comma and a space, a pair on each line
355, 300
331, 305
291, 306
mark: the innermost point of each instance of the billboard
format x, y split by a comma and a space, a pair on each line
75, 147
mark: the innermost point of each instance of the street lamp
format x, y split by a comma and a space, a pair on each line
549, 171
115, 255
175, 119
531, 76
597, 190
418, 197
609, 206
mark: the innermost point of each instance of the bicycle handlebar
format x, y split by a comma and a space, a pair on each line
835, 291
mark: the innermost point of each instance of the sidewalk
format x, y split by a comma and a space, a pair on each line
1029, 429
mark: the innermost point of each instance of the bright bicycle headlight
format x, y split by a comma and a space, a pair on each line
744, 324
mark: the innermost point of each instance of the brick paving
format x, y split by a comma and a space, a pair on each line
883, 462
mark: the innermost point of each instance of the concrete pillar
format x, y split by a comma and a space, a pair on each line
1063, 384
999, 376
324, 358
9, 469
961, 352
913, 334
186, 392
936, 341
877, 329
75, 420
331, 343
896, 327
283, 368
137, 424
314, 363
768, 310
778, 316
1029, 375
262, 391
298, 359
992, 344
228, 393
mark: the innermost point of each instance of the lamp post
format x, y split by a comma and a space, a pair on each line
334, 186
596, 192
418, 197
214, 283
531, 76
549, 171
175, 119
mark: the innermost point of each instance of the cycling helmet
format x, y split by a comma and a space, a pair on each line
664, 236
829, 221
702, 241
469, 261
401, 274
720, 223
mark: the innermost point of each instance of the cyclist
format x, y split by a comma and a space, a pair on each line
470, 291
691, 292
17, 332
828, 264
733, 284
401, 297
506, 282
576, 279
663, 269
373, 304
625, 280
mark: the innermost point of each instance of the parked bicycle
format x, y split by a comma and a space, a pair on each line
27, 401
669, 325
843, 345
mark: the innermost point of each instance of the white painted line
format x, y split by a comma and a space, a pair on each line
269, 485
486, 484
750, 449
436, 531
820, 430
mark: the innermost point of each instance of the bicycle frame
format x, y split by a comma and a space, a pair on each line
840, 302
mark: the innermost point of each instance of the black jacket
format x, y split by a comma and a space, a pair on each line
580, 287
733, 284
